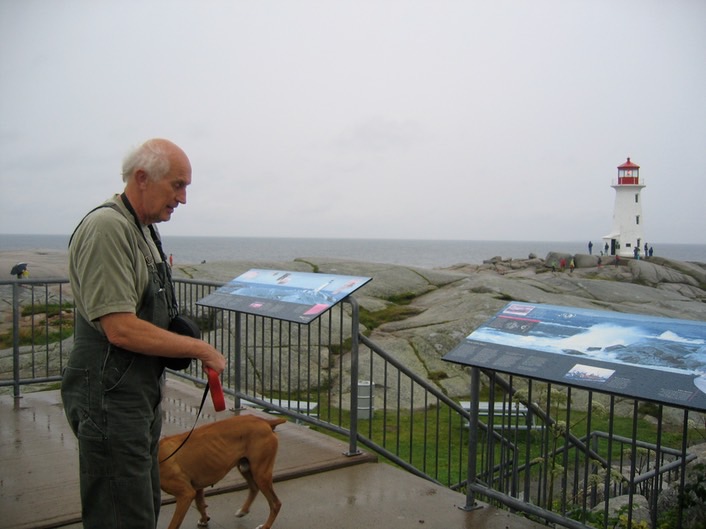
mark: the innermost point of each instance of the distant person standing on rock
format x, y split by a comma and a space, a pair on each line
590, 247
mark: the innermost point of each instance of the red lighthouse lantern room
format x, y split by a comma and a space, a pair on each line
628, 173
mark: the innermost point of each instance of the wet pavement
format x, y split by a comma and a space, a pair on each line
318, 484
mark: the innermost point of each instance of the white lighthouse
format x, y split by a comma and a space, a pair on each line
626, 237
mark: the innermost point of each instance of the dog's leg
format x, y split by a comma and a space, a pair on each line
265, 485
182, 507
201, 506
245, 470
260, 478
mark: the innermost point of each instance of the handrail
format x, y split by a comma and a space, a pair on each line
266, 358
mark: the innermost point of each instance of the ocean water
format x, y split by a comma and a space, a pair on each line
422, 253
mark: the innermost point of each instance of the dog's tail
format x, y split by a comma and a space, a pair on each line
275, 421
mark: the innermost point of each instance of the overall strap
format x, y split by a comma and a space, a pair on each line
143, 244
106, 205
158, 243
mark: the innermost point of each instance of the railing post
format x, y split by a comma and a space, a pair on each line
16, 339
473, 441
236, 363
353, 436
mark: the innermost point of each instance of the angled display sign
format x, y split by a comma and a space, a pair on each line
646, 357
292, 296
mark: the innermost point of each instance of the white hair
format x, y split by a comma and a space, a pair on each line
152, 157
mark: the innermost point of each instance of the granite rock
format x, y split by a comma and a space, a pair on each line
452, 302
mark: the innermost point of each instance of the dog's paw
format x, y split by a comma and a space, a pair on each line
203, 523
241, 513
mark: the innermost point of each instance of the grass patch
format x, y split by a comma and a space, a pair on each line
50, 309
398, 310
42, 324
435, 376
314, 267
402, 299
372, 320
409, 435
340, 348
38, 335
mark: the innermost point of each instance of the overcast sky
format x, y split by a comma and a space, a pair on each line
477, 120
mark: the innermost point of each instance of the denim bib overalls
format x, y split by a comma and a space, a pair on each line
112, 400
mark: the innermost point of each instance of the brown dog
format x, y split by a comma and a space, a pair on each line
245, 441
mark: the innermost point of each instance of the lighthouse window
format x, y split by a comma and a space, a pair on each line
637, 196
637, 219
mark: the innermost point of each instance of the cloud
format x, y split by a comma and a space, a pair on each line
395, 119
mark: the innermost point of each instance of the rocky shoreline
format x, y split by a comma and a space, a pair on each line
465, 293
459, 293
445, 305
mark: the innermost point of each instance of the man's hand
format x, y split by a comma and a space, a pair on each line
214, 360
126, 330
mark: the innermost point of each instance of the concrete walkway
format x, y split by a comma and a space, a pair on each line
357, 497
318, 484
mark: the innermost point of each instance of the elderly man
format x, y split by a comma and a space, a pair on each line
125, 302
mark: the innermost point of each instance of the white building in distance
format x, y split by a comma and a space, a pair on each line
627, 237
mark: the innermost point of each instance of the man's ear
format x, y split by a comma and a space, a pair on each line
141, 178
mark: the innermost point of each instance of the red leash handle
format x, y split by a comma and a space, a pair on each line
214, 383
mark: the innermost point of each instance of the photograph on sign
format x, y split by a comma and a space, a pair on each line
592, 373
281, 294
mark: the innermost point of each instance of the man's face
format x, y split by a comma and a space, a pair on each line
163, 196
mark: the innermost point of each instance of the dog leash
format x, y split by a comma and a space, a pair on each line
214, 387
198, 414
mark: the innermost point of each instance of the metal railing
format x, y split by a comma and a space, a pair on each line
556, 453
42, 329
581, 458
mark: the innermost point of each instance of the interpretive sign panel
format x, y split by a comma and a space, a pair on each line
293, 296
657, 359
